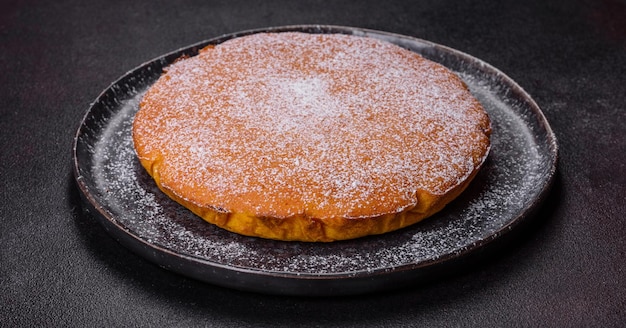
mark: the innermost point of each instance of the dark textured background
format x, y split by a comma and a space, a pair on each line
59, 268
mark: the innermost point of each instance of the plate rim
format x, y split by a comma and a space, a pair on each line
109, 222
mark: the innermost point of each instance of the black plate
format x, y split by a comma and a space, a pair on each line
515, 178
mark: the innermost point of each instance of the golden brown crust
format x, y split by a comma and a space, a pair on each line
305, 228
325, 165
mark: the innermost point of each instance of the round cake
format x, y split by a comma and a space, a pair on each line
310, 137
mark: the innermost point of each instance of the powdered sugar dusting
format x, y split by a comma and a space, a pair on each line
338, 124
515, 172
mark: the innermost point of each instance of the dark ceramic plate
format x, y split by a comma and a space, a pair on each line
514, 180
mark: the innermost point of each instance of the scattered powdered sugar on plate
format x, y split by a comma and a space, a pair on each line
509, 179
513, 176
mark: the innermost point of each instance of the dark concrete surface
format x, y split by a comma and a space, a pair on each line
58, 267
